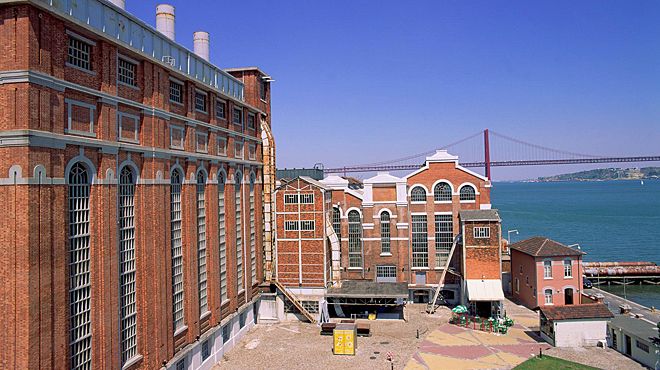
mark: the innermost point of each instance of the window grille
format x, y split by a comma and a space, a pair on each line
237, 116
253, 235
226, 333
482, 232
336, 221
79, 54
548, 296
220, 106
307, 225
200, 101
201, 242
467, 193
222, 238
80, 330
385, 233
310, 306
290, 198
568, 268
239, 234
251, 121
181, 365
420, 247
444, 238
290, 225
176, 92
177, 249
126, 72
442, 192
547, 269
354, 239
418, 194
128, 307
307, 198
205, 349
386, 271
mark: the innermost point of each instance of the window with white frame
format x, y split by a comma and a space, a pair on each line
442, 192
127, 288
386, 271
177, 137
201, 243
222, 145
80, 305
252, 152
253, 234
222, 238
568, 268
290, 225
239, 232
80, 117
336, 221
547, 269
444, 238
251, 123
548, 296
481, 232
127, 72
79, 54
420, 243
307, 225
418, 194
237, 116
354, 239
385, 233
176, 92
177, 249
200, 101
467, 193
307, 198
129, 127
290, 198
202, 142
221, 109
238, 149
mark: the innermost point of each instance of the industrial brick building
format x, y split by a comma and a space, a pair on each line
132, 171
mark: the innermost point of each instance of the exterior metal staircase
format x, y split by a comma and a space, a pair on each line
432, 306
293, 299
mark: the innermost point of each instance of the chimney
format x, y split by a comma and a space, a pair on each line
119, 3
201, 41
165, 20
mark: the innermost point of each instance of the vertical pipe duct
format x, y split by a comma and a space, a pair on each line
165, 20
119, 3
201, 43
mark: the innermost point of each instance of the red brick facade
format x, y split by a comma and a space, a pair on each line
40, 93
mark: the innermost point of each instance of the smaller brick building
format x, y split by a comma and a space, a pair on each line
545, 273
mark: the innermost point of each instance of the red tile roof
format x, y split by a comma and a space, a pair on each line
577, 311
539, 246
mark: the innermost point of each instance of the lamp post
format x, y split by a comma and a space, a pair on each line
508, 235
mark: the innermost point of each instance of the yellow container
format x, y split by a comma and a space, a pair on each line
345, 339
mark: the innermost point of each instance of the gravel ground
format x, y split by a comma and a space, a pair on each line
607, 359
296, 345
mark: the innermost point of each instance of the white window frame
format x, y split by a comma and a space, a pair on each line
291, 226
307, 225
183, 137
221, 142
568, 268
306, 198
201, 244
176, 240
181, 91
222, 236
385, 233
70, 103
547, 269
199, 92
385, 271
413, 200
548, 298
419, 241
481, 232
224, 109
199, 134
252, 152
291, 198
120, 116
460, 197
355, 246
444, 238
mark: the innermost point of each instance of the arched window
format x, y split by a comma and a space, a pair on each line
128, 308
177, 249
239, 232
253, 240
442, 192
467, 193
354, 239
548, 296
418, 194
336, 222
385, 232
80, 339
222, 237
201, 242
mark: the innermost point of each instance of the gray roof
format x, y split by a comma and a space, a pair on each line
539, 246
368, 289
480, 215
638, 327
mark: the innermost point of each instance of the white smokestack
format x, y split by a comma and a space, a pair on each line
201, 44
165, 20
119, 3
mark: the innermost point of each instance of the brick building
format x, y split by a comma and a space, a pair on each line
545, 273
132, 171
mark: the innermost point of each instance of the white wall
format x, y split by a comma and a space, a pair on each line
650, 359
579, 333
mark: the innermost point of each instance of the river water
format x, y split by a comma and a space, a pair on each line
610, 220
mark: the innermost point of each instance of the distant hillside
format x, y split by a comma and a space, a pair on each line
607, 174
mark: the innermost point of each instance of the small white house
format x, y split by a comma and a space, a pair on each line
581, 325
636, 338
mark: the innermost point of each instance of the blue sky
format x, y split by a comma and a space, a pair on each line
364, 81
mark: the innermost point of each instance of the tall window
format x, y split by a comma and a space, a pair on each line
177, 249
176, 92
385, 233
201, 242
128, 309
354, 239
547, 269
79, 54
444, 238
442, 192
568, 268
253, 240
127, 72
336, 221
467, 193
80, 305
222, 238
239, 233
418, 194
420, 243
200, 101
548, 296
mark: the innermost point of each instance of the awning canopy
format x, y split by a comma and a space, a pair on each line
485, 290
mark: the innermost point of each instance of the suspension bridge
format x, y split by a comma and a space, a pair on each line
488, 149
